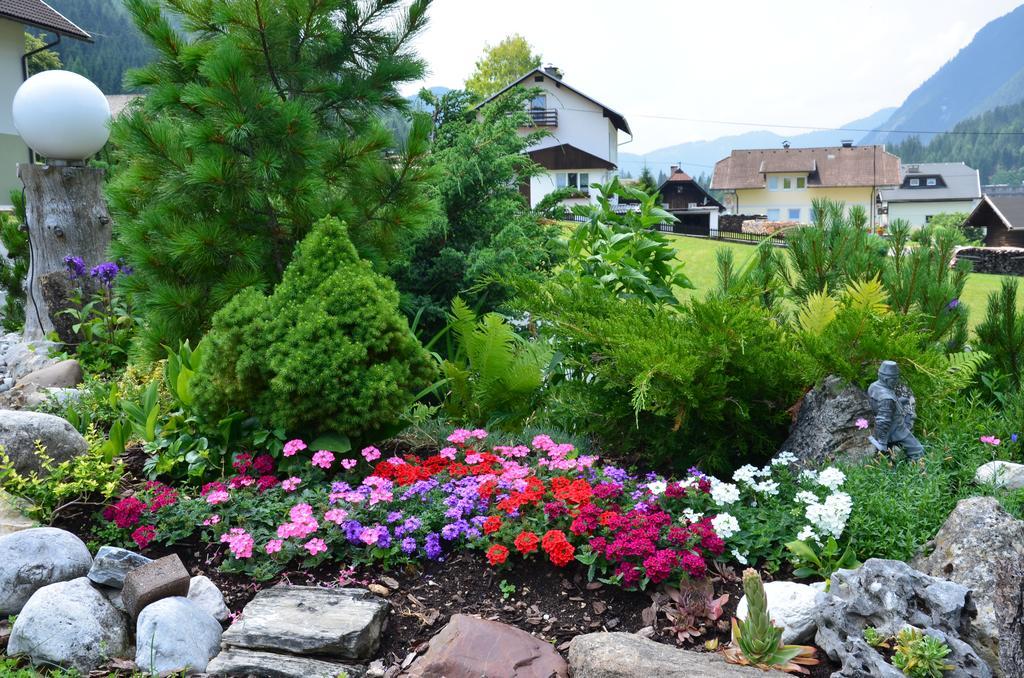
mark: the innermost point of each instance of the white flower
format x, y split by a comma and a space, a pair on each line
657, 487
830, 517
769, 487
691, 516
807, 534
746, 474
809, 475
806, 497
831, 478
740, 558
724, 493
784, 459
765, 472
725, 525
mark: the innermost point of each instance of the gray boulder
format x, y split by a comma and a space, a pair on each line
305, 620
25, 357
70, 624
1002, 474
1010, 614
826, 424
112, 563
175, 634
889, 595
238, 662
207, 596
65, 374
627, 655
19, 432
978, 540
34, 558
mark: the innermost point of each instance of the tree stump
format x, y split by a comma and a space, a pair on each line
1009, 604
66, 216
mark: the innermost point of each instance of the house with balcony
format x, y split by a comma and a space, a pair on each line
695, 209
582, 147
930, 188
15, 17
782, 183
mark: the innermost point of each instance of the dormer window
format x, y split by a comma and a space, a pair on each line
930, 181
773, 183
915, 182
801, 182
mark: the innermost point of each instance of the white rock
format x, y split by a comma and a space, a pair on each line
70, 624
1003, 474
34, 558
175, 634
791, 606
207, 596
12, 515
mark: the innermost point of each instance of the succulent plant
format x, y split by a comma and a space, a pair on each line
756, 641
692, 607
919, 655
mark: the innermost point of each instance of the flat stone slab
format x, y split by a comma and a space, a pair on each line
306, 620
111, 564
239, 662
627, 655
163, 578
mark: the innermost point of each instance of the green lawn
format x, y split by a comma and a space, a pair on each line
698, 255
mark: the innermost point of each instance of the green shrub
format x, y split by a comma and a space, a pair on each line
1001, 333
328, 351
13, 267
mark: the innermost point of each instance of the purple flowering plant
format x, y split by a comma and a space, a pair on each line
101, 319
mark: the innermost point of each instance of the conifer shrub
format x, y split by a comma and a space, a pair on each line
327, 351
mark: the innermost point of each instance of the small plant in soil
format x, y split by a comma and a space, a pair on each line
691, 608
919, 655
507, 589
756, 641
876, 639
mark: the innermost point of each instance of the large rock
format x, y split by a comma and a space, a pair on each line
25, 357
791, 606
1004, 474
70, 624
626, 655
65, 374
19, 432
12, 515
1010, 615
468, 647
207, 596
826, 424
238, 662
305, 620
175, 634
112, 564
889, 595
162, 578
977, 541
34, 558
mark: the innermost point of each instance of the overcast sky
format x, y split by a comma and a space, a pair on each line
814, 62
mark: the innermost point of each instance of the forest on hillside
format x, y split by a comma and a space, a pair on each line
992, 142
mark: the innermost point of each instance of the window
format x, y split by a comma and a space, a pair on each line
930, 181
915, 182
584, 182
560, 180
773, 215
928, 218
773, 183
539, 102
801, 182
577, 180
787, 183
794, 214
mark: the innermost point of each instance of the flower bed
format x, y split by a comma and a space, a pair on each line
546, 502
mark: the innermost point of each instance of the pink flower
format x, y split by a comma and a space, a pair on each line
349, 464
861, 423
370, 454
990, 440
396, 461
239, 542
323, 459
336, 516
448, 453
274, 545
290, 484
217, 497
212, 520
473, 458
293, 446
315, 546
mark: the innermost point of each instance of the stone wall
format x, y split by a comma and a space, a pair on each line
1001, 260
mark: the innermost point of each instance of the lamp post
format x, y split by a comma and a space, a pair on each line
64, 118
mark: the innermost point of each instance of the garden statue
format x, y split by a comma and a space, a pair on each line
894, 413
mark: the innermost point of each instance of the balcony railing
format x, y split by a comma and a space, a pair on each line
544, 117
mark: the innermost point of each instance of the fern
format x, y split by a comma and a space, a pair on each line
817, 312
961, 368
867, 296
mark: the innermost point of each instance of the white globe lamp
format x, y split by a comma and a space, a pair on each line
61, 116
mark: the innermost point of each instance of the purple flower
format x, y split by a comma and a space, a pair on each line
383, 537
953, 304
105, 272
433, 546
616, 474
1013, 437
408, 545
353, 530
394, 517
75, 266
451, 531
412, 524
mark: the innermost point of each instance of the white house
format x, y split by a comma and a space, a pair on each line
15, 15
930, 188
582, 147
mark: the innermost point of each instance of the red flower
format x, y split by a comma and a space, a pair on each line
552, 538
561, 553
694, 565
126, 512
497, 554
144, 535
264, 483
527, 542
492, 525
263, 464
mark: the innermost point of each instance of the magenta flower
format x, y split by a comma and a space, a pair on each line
370, 454
212, 520
293, 446
448, 453
990, 440
217, 497
336, 516
315, 546
323, 459
274, 545
862, 423
349, 464
239, 542
290, 484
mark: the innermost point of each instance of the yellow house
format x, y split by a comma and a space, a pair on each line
781, 183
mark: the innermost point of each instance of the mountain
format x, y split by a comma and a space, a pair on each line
699, 157
988, 72
118, 44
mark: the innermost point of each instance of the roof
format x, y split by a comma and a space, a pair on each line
678, 176
954, 181
566, 157
830, 166
38, 14
1009, 209
617, 119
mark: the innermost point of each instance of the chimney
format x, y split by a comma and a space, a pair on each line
673, 170
847, 143
553, 70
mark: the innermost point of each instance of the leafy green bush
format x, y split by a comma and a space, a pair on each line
326, 352
14, 267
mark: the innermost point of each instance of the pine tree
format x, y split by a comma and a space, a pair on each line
645, 182
260, 118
